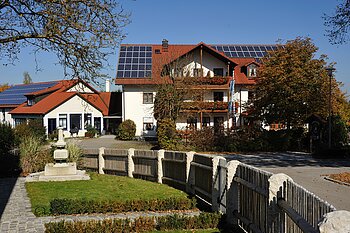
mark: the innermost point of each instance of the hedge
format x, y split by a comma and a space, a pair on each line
142, 224
83, 206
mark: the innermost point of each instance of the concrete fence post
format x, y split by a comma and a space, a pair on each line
101, 160
335, 222
216, 187
273, 212
131, 168
160, 157
232, 192
189, 174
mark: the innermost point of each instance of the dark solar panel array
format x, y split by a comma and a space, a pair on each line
135, 62
15, 94
239, 51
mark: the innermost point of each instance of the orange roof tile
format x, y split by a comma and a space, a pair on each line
55, 99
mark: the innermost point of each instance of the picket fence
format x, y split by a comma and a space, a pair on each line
256, 200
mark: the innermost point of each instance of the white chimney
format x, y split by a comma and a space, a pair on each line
108, 85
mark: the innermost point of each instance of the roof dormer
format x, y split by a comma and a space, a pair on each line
251, 69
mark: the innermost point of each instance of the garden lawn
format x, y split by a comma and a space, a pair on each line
99, 188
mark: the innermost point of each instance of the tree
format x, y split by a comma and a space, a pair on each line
338, 24
26, 78
293, 84
4, 87
81, 33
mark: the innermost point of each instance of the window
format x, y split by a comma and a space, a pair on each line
252, 70
19, 121
218, 96
75, 121
196, 72
192, 123
97, 123
87, 119
206, 121
30, 102
148, 123
218, 71
62, 121
148, 98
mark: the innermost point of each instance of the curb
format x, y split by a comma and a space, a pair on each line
336, 181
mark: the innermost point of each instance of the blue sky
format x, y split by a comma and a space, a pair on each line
213, 22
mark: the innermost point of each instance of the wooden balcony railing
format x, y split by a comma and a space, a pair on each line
201, 105
217, 80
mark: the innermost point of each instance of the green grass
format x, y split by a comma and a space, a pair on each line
99, 188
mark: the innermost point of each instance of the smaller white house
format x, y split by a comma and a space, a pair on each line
71, 104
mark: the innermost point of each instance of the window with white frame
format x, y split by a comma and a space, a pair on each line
252, 69
148, 123
62, 121
87, 119
148, 98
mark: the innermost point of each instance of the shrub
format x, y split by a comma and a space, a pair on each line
126, 130
7, 138
75, 152
82, 206
202, 140
33, 157
33, 128
90, 131
167, 134
141, 224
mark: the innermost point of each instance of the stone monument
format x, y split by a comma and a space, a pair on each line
61, 170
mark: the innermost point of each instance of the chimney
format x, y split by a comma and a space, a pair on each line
165, 45
108, 85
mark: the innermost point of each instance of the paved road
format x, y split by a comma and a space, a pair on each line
306, 171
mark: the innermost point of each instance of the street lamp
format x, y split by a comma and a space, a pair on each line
330, 71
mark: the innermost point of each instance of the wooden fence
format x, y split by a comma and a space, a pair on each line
250, 197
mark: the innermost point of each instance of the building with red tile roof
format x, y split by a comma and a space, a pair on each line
225, 73
70, 104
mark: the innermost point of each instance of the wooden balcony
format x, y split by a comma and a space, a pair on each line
196, 81
201, 106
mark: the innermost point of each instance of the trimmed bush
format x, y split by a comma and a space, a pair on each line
73, 206
126, 130
142, 224
33, 157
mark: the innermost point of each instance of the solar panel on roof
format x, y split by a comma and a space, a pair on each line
135, 62
15, 94
241, 51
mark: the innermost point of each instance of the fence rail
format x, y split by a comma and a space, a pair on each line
246, 194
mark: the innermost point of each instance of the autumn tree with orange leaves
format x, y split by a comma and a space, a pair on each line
293, 84
4, 87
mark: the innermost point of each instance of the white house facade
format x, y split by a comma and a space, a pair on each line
224, 74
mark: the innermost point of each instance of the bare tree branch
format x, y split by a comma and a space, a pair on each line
82, 33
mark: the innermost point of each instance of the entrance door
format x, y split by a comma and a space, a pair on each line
51, 125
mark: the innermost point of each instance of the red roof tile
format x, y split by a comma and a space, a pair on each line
57, 98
